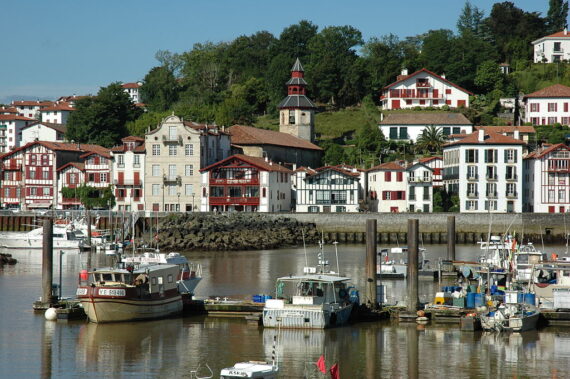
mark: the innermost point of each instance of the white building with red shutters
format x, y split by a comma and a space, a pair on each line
547, 180
29, 108
420, 188
436, 164
132, 89
11, 126
387, 187
58, 113
423, 88
128, 173
244, 183
70, 175
548, 106
29, 173
326, 189
552, 48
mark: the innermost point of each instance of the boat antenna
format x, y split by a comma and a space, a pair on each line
335, 243
305, 249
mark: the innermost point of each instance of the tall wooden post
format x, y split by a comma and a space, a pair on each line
88, 217
371, 300
47, 262
412, 274
413, 351
451, 238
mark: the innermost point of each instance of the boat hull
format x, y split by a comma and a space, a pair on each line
513, 324
25, 243
102, 310
306, 317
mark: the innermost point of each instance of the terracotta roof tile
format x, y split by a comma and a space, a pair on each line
343, 170
425, 118
428, 159
80, 166
131, 85
508, 129
556, 90
256, 161
430, 73
388, 166
132, 138
491, 138
37, 103
58, 107
13, 117
248, 135
541, 153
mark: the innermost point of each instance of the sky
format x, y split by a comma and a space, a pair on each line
67, 47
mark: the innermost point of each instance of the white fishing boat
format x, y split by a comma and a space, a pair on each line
128, 294
64, 237
190, 274
511, 318
393, 263
251, 369
525, 260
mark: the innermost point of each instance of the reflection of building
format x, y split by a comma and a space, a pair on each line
243, 183
485, 169
552, 48
326, 189
175, 152
423, 89
128, 173
547, 180
409, 126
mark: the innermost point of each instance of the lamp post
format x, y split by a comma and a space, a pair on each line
163, 197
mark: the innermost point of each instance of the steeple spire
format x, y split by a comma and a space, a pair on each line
297, 66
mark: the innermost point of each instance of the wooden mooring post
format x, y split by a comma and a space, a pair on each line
371, 261
451, 238
412, 273
47, 264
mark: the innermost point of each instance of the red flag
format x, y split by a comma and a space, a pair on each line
334, 372
321, 364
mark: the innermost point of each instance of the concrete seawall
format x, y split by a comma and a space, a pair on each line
392, 227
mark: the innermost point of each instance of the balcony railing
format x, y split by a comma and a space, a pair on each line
423, 84
227, 200
127, 182
492, 177
172, 178
511, 178
419, 179
472, 195
511, 195
472, 176
169, 139
492, 195
12, 166
250, 181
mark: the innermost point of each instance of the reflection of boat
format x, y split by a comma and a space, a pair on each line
511, 317
64, 237
317, 300
190, 273
125, 293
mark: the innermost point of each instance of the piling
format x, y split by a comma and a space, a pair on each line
88, 217
47, 263
451, 238
371, 262
412, 278
413, 352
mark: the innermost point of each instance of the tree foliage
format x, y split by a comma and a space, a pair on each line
91, 197
431, 140
557, 16
160, 89
102, 119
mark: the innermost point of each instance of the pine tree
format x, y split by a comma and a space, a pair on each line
556, 18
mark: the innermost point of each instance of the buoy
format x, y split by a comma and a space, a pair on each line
51, 314
422, 320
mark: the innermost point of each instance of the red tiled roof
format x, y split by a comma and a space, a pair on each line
388, 166
338, 169
59, 146
8, 110
556, 90
560, 34
508, 129
248, 135
32, 103
491, 138
62, 128
132, 138
80, 166
123, 149
547, 150
428, 159
425, 118
256, 161
58, 107
308, 170
430, 73
13, 117
131, 85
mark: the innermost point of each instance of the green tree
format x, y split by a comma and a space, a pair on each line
160, 89
488, 77
557, 16
102, 119
431, 140
334, 153
91, 197
436, 50
147, 120
470, 19
383, 58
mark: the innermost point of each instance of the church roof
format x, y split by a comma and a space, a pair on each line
296, 101
297, 66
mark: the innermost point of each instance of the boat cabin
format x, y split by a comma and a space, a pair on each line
251, 369
312, 289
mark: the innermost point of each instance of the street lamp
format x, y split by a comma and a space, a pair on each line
163, 197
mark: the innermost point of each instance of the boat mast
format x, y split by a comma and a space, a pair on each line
305, 249
335, 243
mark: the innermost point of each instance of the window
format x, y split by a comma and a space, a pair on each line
155, 170
45, 173
448, 91
412, 193
399, 176
120, 160
561, 196
6, 192
46, 191
393, 133
387, 195
387, 176
155, 149
551, 196
490, 156
471, 156
188, 189
491, 190
172, 150
552, 107
491, 173
292, 117
171, 171
340, 209
426, 193
313, 209
136, 160
551, 179
534, 107
403, 133
492, 204
103, 177
471, 205
188, 150
172, 133
552, 120
456, 130
511, 189
472, 189
510, 156
557, 48
172, 190
511, 173
189, 170
471, 172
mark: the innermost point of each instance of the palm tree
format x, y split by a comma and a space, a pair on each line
431, 140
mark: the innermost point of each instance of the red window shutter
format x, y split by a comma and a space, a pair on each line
403, 195
565, 107
399, 176
538, 107
384, 195
97, 177
551, 209
448, 91
137, 178
121, 177
435, 92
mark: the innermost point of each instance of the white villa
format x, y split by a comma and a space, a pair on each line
420, 188
408, 126
548, 106
387, 187
43, 131
423, 88
552, 48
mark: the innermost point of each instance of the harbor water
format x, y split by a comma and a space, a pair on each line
31, 347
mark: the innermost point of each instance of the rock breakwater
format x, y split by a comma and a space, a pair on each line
232, 231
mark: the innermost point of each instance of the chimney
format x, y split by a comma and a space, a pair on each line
404, 72
403, 75
443, 75
517, 134
565, 31
481, 135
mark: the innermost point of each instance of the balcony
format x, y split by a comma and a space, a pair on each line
11, 165
172, 139
511, 195
227, 200
472, 195
472, 177
172, 179
425, 84
492, 178
221, 182
512, 178
492, 195
417, 179
413, 94
127, 182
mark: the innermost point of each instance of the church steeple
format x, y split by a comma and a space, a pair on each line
296, 110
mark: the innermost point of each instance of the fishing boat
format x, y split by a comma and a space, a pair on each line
189, 275
393, 263
64, 237
525, 259
126, 293
511, 318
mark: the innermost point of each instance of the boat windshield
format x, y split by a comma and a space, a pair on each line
327, 291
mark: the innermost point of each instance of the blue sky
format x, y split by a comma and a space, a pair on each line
65, 47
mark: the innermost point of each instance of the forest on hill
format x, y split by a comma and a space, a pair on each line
241, 81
